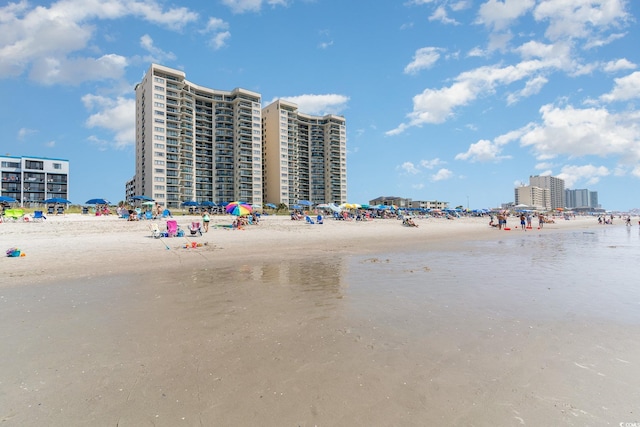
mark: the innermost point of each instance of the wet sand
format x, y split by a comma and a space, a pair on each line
287, 325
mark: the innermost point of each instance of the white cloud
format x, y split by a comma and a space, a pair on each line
625, 88
500, 14
572, 132
242, 6
430, 164
49, 41
221, 35
441, 175
423, 58
24, 133
532, 87
588, 174
440, 14
579, 18
410, 168
319, 104
116, 115
483, 151
156, 55
620, 64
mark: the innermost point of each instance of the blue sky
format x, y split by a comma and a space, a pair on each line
451, 100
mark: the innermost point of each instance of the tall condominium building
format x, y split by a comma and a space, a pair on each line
581, 198
194, 143
30, 180
555, 187
305, 156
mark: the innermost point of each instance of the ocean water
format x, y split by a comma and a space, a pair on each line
552, 274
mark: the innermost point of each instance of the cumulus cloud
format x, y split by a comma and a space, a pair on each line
500, 14
575, 132
156, 55
116, 115
441, 175
409, 168
625, 88
219, 30
532, 87
423, 58
242, 6
587, 174
619, 64
483, 151
440, 14
319, 104
48, 42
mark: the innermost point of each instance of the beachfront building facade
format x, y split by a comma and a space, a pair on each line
30, 180
304, 156
531, 196
429, 204
581, 198
554, 198
194, 143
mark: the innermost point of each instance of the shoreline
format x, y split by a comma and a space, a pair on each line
80, 246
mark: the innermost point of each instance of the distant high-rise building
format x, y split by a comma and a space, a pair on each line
532, 196
581, 198
34, 179
555, 186
305, 156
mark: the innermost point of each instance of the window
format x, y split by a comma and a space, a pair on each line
157, 145
158, 170
159, 120
11, 165
158, 113
158, 137
158, 129
158, 162
158, 104
159, 88
159, 179
158, 80
158, 96
34, 164
57, 165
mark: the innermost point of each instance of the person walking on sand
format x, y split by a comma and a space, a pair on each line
205, 220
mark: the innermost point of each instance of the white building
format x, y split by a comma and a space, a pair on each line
194, 143
30, 180
305, 156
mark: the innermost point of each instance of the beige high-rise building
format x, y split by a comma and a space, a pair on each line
194, 143
532, 196
305, 156
555, 187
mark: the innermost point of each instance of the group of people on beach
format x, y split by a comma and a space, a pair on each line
526, 220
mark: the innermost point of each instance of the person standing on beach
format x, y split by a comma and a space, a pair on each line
522, 221
540, 220
529, 221
205, 220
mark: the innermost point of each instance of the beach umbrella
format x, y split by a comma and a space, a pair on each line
305, 202
238, 208
143, 198
208, 203
335, 207
57, 200
271, 205
148, 203
323, 206
190, 203
96, 202
7, 199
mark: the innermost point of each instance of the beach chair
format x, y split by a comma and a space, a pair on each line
166, 213
148, 215
309, 220
172, 228
13, 214
38, 216
50, 210
155, 231
195, 228
319, 219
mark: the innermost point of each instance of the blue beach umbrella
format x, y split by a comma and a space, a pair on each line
96, 202
190, 203
305, 202
7, 199
57, 200
143, 198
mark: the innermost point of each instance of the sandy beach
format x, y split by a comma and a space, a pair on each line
85, 246
290, 324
